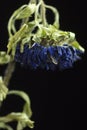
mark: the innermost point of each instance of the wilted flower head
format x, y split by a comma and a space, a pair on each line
38, 44
49, 58
35, 44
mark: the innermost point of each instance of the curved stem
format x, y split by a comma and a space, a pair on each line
43, 12
55, 11
37, 12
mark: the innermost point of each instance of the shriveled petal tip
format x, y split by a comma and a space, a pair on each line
50, 58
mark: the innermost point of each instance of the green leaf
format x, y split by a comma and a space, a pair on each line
3, 90
26, 12
4, 57
5, 126
27, 110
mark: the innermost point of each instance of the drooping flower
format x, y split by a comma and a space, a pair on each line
42, 45
49, 58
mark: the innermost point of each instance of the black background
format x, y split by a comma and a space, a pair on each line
58, 99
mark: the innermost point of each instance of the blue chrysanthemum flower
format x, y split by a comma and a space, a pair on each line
49, 58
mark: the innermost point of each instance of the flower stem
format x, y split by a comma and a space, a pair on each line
8, 73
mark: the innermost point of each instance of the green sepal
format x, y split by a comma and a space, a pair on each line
77, 46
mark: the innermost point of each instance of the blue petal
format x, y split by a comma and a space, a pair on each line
43, 57
66, 59
59, 49
48, 58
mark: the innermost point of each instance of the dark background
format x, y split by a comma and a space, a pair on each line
58, 99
